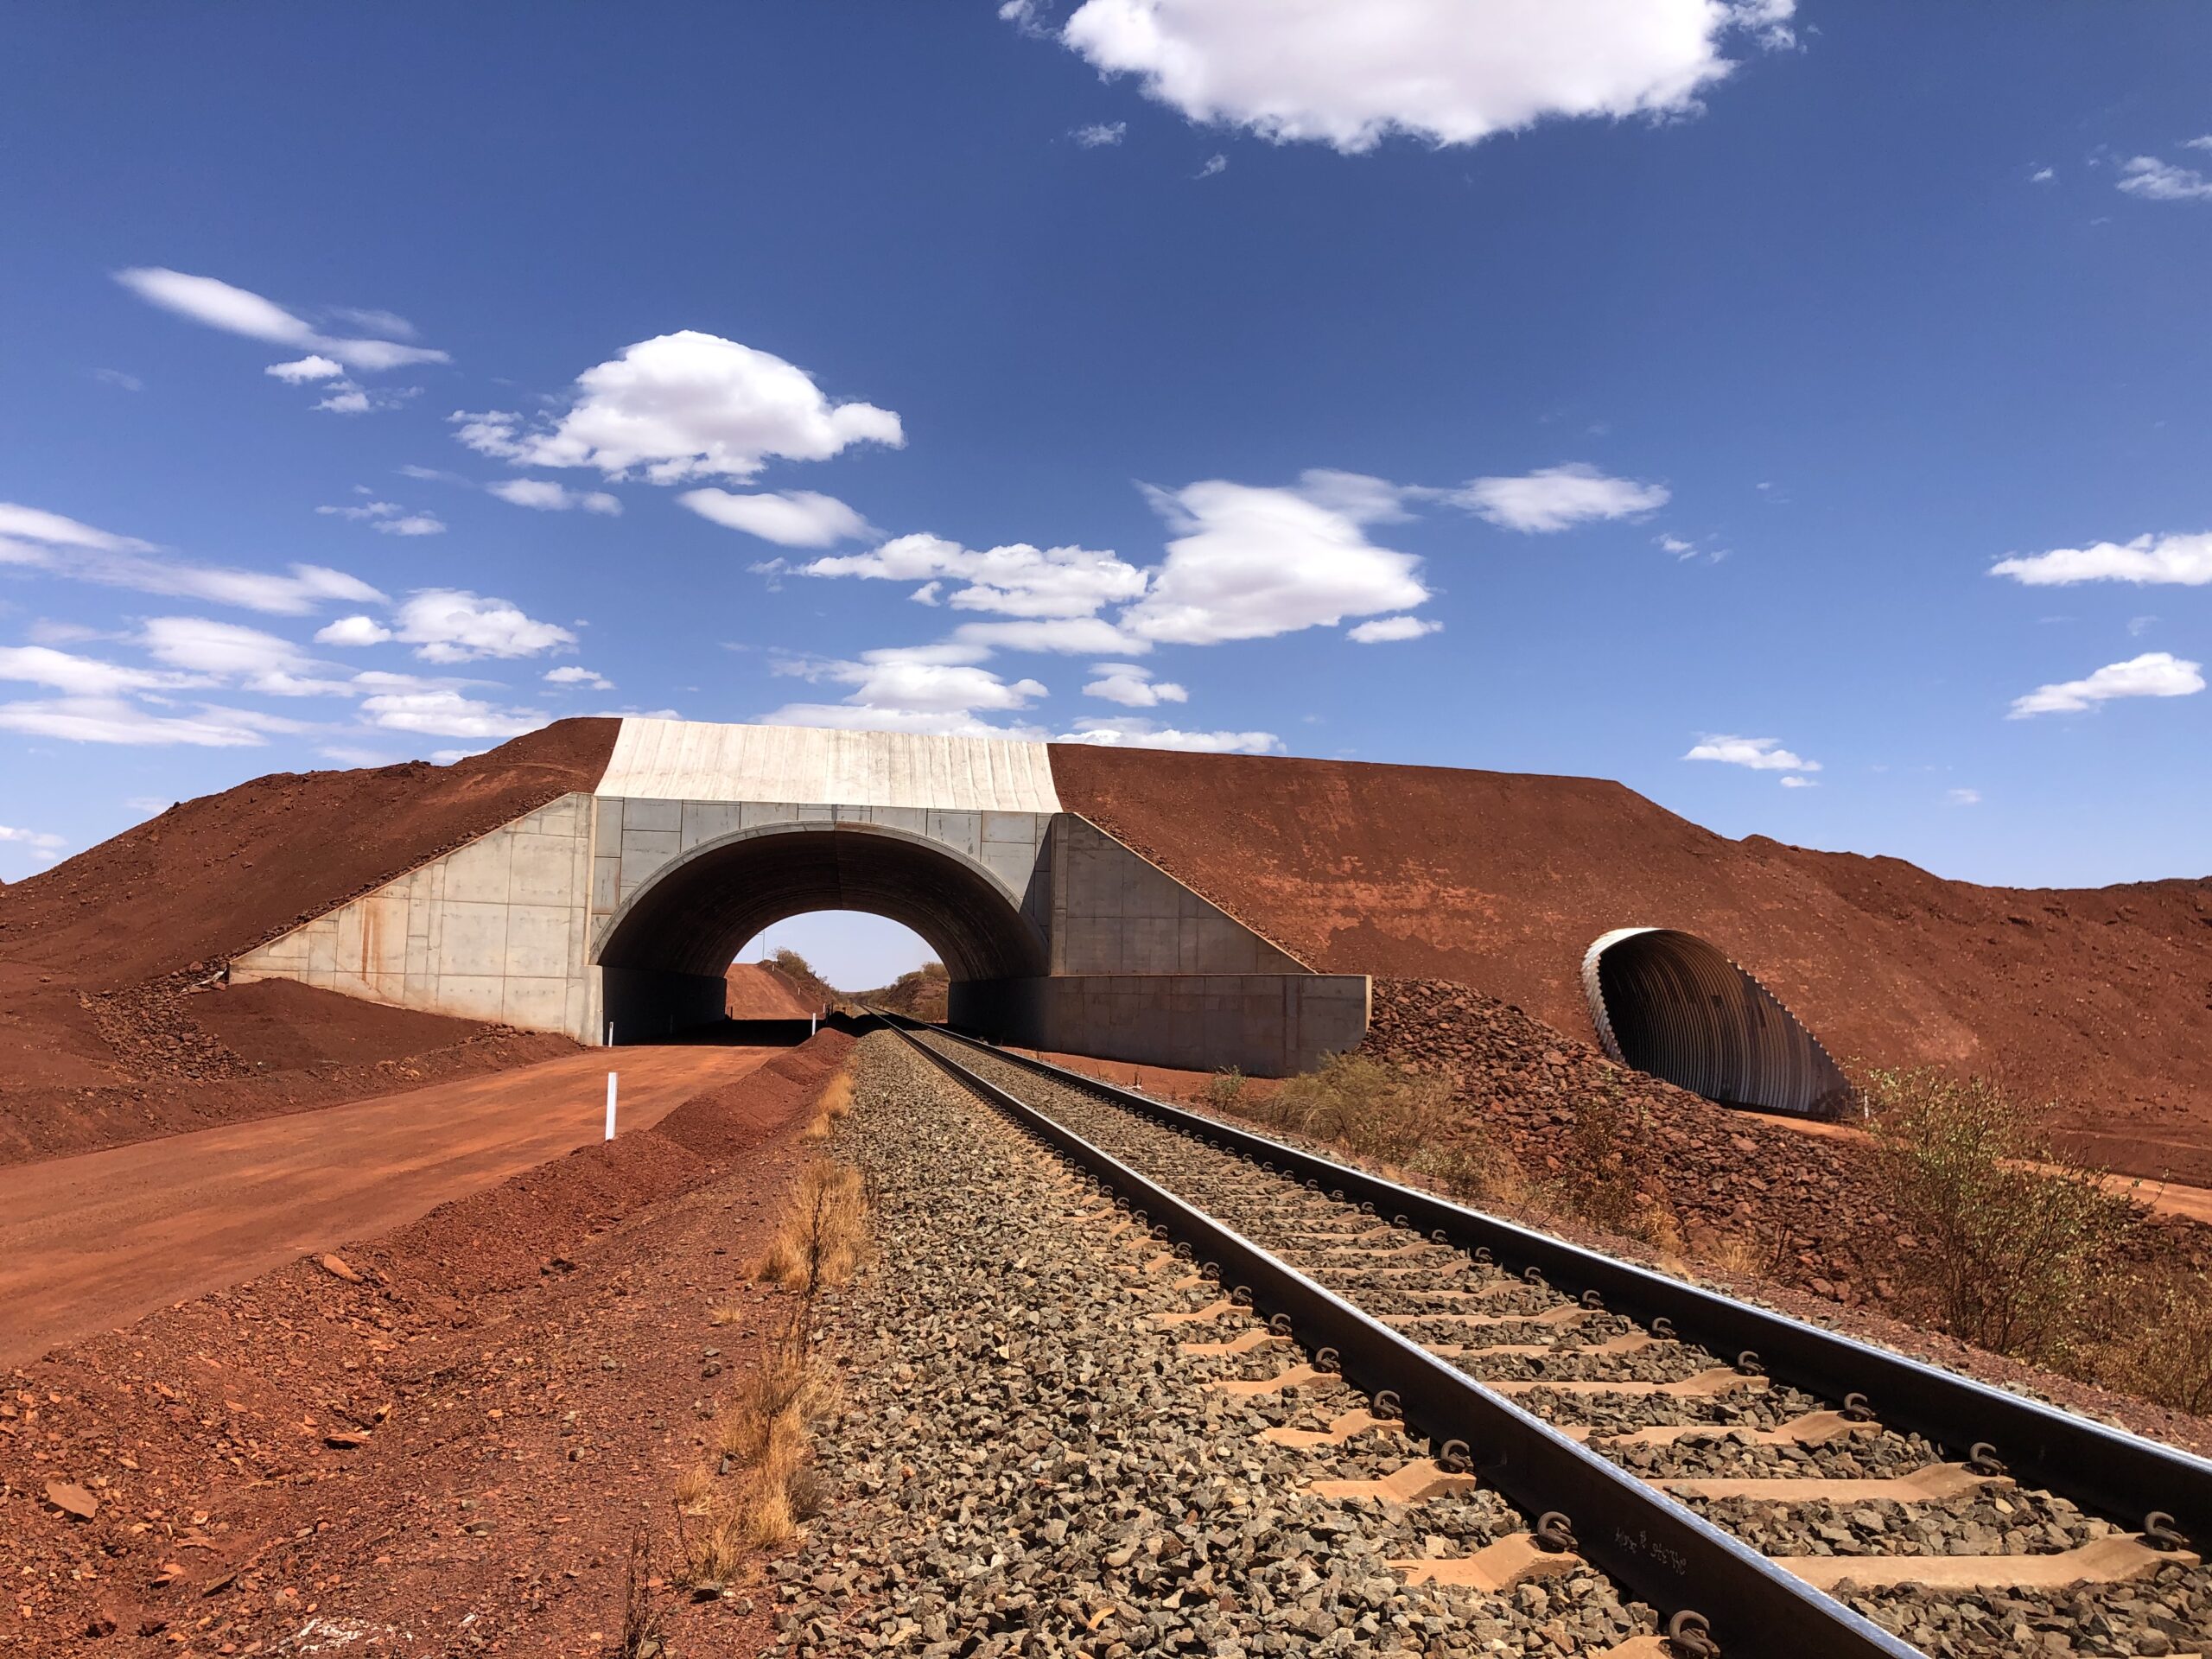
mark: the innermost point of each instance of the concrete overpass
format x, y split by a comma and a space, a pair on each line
621, 907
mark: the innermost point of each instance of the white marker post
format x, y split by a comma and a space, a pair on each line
610, 1105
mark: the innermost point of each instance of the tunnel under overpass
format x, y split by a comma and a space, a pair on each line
1673, 1005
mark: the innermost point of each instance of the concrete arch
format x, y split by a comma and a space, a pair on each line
662, 953
1673, 1004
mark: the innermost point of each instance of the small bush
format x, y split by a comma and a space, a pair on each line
2161, 1345
821, 1238
1225, 1090
2006, 1238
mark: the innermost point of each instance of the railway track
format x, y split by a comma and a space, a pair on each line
1763, 1483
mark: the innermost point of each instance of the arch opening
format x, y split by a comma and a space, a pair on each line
666, 953
1673, 1005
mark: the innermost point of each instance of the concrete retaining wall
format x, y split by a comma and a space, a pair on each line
492, 930
1265, 1024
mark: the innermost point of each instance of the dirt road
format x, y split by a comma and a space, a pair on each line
95, 1241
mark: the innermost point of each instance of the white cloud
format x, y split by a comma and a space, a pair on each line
261, 662
1100, 134
546, 496
2154, 674
2156, 181
1557, 497
113, 720
414, 524
1253, 563
1759, 753
1072, 636
1793, 781
310, 367
2042, 175
787, 517
84, 676
1014, 580
852, 717
920, 681
572, 675
1135, 733
448, 625
2181, 561
353, 630
686, 405
2204, 142
1383, 630
345, 755
446, 713
1963, 797
38, 839
1214, 164
239, 311
1446, 72
1132, 687
117, 378
148, 804
48, 541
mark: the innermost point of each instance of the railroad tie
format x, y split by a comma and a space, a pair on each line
1345, 1425
1721, 1379
1297, 1377
2107, 1560
1205, 1315
1246, 1341
1937, 1480
1411, 1483
1494, 1568
1558, 1317
1814, 1428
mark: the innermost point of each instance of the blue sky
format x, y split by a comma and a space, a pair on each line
1797, 415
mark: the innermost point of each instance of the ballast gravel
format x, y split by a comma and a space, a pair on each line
1418, 1285
1026, 1464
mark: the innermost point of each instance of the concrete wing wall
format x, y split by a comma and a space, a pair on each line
492, 930
1116, 912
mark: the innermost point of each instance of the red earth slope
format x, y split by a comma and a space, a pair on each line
2097, 999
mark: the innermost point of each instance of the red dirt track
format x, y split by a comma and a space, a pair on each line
2097, 999
95, 1241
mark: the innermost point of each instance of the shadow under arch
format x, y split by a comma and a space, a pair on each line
663, 952
1673, 1005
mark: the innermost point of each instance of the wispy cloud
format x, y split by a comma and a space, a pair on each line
240, 311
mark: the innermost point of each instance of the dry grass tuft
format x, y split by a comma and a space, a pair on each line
821, 1238
725, 1314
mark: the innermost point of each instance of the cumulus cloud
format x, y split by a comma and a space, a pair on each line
546, 496
1557, 497
447, 625
353, 630
2043, 175
918, 681
1123, 732
1100, 134
572, 675
48, 541
1071, 636
1759, 753
1444, 72
1214, 164
1132, 687
685, 405
310, 367
443, 712
240, 311
1383, 630
1251, 563
2182, 561
1014, 580
2156, 181
787, 517
2154, 674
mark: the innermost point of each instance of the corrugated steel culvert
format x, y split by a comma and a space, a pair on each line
1673, 1004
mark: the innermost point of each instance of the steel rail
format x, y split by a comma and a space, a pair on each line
2117, 1474
1652, 1546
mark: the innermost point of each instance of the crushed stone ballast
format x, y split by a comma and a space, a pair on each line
1761, 1429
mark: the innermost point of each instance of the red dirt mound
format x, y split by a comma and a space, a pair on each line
2094, 998
212, 877
446, 1437
757, 991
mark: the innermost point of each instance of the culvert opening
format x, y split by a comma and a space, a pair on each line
1673, 1005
